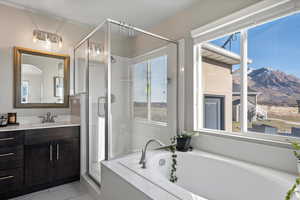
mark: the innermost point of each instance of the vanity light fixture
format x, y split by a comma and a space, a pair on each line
48, 38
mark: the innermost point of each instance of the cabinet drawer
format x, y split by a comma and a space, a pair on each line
11, 157
11, 138
11, 180
50, 134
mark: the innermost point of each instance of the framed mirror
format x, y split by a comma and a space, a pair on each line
41, 79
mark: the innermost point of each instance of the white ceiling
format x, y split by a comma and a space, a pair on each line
141, 13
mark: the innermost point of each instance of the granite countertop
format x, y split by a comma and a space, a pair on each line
38, 125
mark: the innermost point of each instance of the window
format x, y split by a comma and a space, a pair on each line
219, 58
274, 77
24, 91
214, 112
140, 99
265, 79
150, 90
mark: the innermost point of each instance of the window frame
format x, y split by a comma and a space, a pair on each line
141, 59
241, 21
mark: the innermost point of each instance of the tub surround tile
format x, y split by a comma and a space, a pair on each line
134, 179
155, 184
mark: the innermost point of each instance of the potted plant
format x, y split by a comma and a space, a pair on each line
296, 148
180, 142
293, 190
173, 176
184, 140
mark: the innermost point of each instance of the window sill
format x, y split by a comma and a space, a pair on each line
151, 123
252, 137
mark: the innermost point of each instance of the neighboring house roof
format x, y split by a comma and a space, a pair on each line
217, 53
238, 102
236, 88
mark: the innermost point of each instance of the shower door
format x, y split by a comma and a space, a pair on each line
96, 118
97, 90
91, 70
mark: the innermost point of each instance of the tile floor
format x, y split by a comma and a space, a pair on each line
71, 191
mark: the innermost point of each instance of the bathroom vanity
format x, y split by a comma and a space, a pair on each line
34, 158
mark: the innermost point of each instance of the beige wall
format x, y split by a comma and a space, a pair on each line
16, 30
218, 81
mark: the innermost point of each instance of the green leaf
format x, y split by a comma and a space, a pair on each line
295, 145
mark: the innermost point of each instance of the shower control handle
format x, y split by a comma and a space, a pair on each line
101, 101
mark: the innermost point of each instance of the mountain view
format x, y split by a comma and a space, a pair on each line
275, 87
273, 102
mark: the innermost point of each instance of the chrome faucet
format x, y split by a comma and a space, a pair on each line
48, 118
144, 150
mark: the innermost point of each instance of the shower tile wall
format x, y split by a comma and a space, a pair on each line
121, 107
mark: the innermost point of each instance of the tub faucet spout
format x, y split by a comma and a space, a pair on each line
144, 151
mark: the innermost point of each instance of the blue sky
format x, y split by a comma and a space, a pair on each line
275, 44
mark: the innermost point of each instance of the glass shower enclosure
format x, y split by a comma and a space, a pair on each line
127, 78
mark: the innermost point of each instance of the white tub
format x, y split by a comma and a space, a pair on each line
205, 176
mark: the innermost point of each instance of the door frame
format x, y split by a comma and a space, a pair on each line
222, 107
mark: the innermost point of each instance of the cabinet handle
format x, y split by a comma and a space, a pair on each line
7, 154
6, 178
57, 151
6, 139
50, 152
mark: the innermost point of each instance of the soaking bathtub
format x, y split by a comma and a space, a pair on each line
206, 176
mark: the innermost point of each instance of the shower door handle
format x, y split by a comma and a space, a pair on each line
101, 101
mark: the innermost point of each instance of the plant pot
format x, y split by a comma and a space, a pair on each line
183, 143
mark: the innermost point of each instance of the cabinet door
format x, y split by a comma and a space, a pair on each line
67, 162
38, 164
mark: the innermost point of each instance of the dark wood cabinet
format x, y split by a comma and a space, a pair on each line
11, 157
37, 164
50, 162
11, 180
32, 160
11, 138
51, 156
11, 162
67, 156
